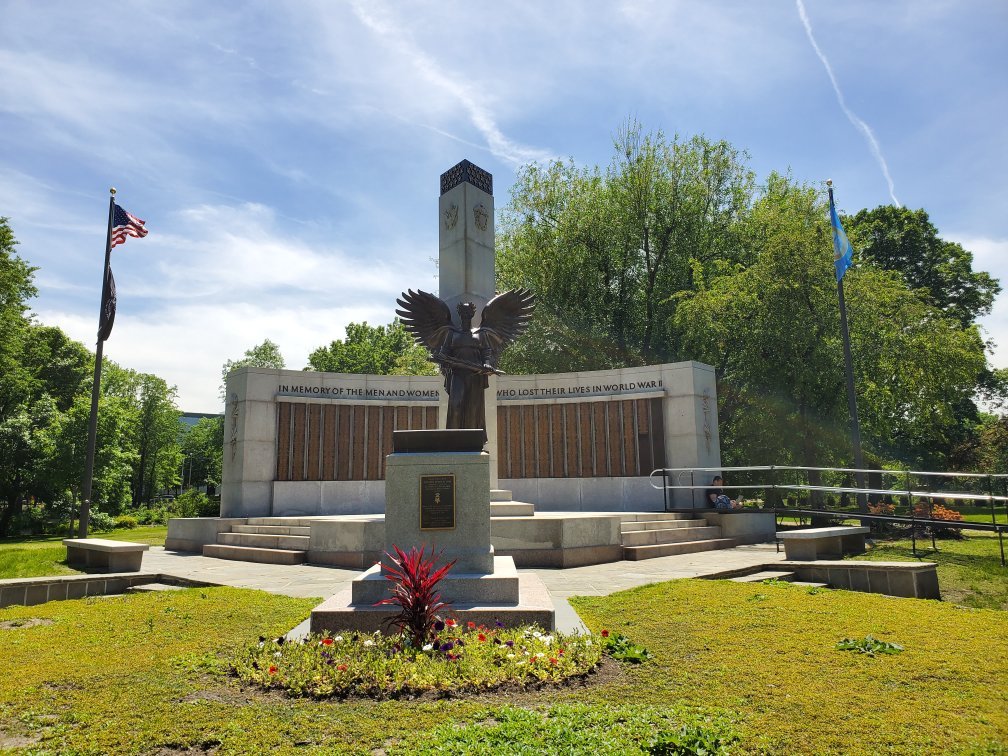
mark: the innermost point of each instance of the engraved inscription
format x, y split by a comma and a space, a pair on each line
437, 502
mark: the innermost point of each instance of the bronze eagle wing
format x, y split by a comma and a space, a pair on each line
426, 317
504, 318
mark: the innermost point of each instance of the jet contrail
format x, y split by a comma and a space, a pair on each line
851, 116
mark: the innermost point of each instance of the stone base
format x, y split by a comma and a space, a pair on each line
534, 607
500, 587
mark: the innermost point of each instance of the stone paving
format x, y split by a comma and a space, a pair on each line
307, 580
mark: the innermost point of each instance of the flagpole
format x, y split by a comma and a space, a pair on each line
852, 410
85, 514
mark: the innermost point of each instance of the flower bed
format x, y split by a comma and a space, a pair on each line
455, 660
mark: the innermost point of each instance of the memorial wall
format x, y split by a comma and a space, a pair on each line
303, 443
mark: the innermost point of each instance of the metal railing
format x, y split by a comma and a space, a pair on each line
773, 481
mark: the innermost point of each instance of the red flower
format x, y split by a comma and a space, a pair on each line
560, 652
482, 638
605, 633
450, 622
341, 667
471, 625
327, 641
272, 670
553, 660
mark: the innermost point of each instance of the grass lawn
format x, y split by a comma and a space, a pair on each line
969, 570
46, 555
148, 673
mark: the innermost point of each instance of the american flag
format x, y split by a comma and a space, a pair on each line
124, 224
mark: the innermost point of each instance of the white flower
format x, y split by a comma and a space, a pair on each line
369, 642
428, 647
587, 642
510, 656
547, 639
338, 638
277, 654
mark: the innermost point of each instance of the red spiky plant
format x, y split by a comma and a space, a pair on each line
414, 581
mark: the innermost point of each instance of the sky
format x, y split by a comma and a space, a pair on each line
286, 155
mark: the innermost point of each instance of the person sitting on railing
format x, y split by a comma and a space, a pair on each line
716, 497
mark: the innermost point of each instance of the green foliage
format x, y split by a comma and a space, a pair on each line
905, 241
454, 660
203, 450
126, 522
265, 355
621, 648
377, 350
195, 503
102, 521
691, 739
578, 728
869, 645
605, 252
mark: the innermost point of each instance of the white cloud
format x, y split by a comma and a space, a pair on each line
991, 255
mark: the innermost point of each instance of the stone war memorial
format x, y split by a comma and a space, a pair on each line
496, 471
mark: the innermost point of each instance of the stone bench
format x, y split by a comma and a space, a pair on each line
814, 543
104, 554
904, 579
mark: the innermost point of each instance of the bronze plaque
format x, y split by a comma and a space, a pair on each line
437, 502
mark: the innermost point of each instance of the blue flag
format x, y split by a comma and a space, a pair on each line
843, 252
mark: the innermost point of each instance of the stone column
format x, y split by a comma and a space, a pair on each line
466, 260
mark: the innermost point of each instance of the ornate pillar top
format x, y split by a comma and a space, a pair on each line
466, 171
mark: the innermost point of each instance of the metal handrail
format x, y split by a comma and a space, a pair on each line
908, 491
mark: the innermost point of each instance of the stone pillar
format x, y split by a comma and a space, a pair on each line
466, 260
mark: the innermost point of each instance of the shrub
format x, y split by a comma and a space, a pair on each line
414, 590
869, 645
126, 522
101, 521
194, 503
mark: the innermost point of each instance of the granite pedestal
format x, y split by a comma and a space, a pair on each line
481, 588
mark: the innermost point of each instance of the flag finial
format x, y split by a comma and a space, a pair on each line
829, 182
112, 190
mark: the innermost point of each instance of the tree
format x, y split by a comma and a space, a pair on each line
375, 350
606, 252
265, 355
772, 331
203, 448
905, 241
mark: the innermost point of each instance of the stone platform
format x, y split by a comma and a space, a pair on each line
535, 606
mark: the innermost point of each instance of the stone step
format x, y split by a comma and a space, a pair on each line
151, 587
759, 577
632, 527
807, 584
670, 535
511, 509
500, 494
635, 553
261, 541
288, 522
250, 554
293, 530
654, 516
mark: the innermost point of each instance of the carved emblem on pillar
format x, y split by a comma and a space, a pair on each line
481, 216
450, 217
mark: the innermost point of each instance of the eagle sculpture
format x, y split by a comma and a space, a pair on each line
466, 355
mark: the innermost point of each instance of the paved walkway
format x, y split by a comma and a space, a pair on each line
593, 580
